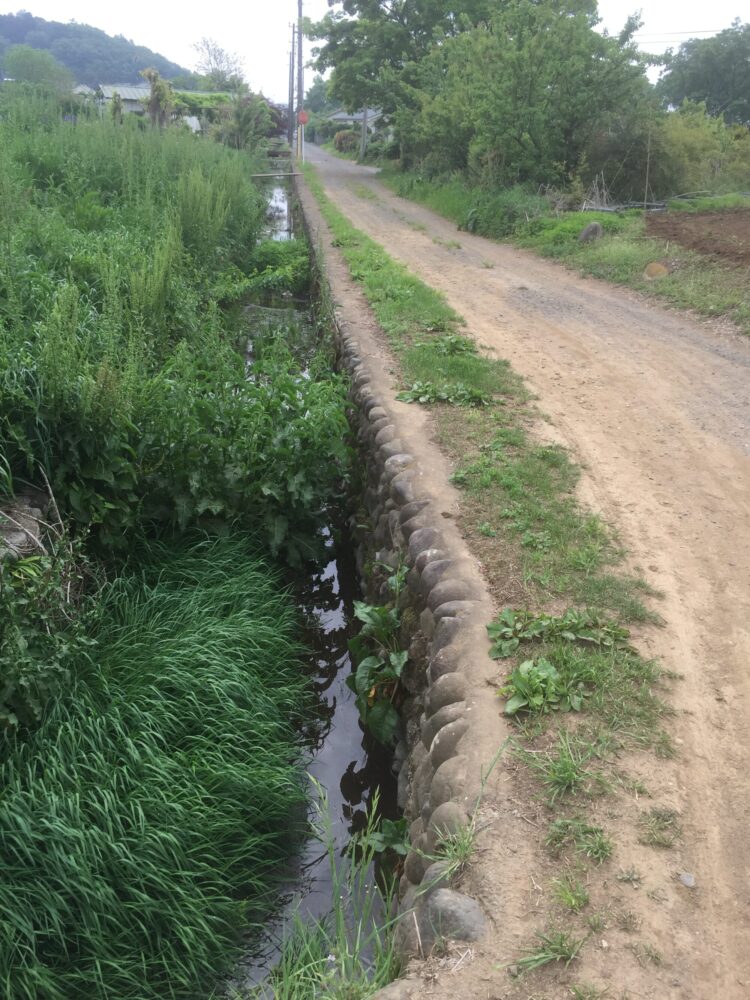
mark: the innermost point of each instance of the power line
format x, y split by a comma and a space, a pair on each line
661, 34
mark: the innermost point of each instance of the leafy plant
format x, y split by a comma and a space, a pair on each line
537, 687
390, 835
457, 394
450, 344
512, 627
380, 664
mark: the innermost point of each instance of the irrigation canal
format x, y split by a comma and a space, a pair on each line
346, 763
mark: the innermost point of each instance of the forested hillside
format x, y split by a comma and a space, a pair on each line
91, 55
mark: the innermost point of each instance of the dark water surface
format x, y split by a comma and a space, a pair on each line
347, 763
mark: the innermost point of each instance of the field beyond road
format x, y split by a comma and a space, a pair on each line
655, 407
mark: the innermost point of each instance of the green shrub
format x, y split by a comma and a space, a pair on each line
346, 141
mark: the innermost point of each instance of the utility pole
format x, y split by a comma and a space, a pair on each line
363, 137
291, 116
300, 85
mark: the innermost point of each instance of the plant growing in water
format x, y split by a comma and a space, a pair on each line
380, 663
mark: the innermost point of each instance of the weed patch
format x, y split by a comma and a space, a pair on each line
169, 787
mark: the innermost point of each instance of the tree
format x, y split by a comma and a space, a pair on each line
715, 71
161, 98
222, 69
247, 122
116, 108
35, 66
520, 98
370, 43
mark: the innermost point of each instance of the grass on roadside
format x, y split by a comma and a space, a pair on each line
521, 516
514, 486
695, 282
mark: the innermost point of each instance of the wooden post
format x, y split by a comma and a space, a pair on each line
648, 169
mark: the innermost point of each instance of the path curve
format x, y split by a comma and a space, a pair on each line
656, 408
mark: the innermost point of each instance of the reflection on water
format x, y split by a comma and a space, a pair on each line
347, 763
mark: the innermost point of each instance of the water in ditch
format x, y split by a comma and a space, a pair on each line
345, 762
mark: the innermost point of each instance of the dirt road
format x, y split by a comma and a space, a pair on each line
656, 408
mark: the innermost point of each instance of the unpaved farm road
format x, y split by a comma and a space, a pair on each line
656, 408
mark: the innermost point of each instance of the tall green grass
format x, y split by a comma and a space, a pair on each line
348, 954
142, 824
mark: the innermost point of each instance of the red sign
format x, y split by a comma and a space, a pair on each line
302, 117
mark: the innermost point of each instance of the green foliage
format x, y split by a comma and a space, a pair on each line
42, 635
537, 687
280, 266
32, 65
511, 628
92, 56
456, 394
450, 344
391, 835
141, 825
348, 954
245, 122
698, 152
713, 70
380, 663
120, 374
346, 141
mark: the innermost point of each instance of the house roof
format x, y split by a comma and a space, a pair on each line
126, 92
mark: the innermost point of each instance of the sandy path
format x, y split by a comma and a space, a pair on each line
656, 407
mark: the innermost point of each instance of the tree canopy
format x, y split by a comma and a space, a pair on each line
221, 70
715, 71
29, 65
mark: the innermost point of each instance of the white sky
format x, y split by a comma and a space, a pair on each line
259, 32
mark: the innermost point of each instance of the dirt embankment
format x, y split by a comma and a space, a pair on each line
723, 236
656, 408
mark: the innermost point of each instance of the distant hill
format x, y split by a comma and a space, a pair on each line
90, 54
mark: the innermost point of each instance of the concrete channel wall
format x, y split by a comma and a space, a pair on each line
450, 707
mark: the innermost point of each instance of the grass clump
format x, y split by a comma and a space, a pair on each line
586, 839
142, 823
555, 946
571, 893
660, 827
348, 954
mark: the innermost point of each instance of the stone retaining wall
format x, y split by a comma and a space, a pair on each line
445, 608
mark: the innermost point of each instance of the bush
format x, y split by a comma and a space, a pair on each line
346, 141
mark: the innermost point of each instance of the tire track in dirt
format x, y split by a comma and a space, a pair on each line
656, 408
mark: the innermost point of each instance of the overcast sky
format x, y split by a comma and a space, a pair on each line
259, 31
